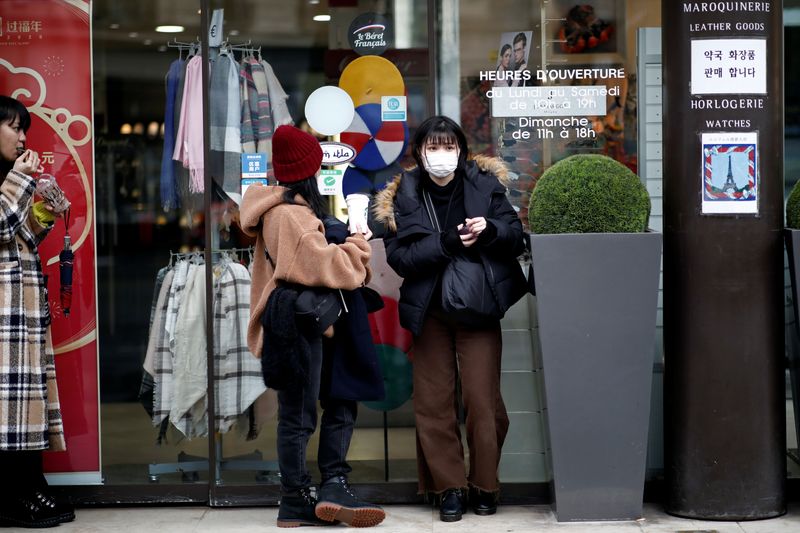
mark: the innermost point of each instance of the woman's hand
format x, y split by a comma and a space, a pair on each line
363, 231
51, 210
476, 225
28, 163
467, 237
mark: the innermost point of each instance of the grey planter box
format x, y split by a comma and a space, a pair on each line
792, 238
597, 298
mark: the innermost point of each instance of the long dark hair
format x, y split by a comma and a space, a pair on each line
10, 110
309, 190
439, 130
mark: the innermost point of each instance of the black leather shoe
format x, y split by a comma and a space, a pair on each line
483, 503
451, 505
62, 511
28, 512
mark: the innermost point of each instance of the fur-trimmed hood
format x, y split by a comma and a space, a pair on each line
383, 206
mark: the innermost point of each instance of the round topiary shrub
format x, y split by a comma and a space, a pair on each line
589, 194
793, 208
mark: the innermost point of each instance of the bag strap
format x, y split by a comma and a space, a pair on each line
426, 199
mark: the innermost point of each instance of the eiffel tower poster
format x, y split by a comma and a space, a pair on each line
729, 173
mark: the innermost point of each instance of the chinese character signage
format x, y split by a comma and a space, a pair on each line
730, 173
45, 62
254, 166
729, 66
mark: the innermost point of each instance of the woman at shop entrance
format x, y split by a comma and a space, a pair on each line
447, 207
30, 417
291, 248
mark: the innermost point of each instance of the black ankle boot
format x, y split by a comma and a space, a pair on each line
297, 509
337, 501
483, 503
451, 505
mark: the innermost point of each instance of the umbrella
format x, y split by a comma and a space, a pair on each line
65, 259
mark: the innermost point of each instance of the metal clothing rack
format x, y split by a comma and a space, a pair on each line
241, 47
190, 465
173, 256
193, 47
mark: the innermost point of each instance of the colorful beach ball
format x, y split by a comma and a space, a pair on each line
377, 143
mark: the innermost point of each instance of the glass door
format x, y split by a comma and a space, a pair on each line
300, 47
150, 248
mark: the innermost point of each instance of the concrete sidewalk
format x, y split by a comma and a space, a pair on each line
405, 519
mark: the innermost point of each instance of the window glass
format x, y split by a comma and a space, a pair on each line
148, 213
306, 46
540, 81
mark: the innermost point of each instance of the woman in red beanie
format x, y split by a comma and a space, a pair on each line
291, 248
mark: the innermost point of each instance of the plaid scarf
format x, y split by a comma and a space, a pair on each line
225, 121
237, 373
238, 382
257, 126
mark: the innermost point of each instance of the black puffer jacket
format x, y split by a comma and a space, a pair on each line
413, 246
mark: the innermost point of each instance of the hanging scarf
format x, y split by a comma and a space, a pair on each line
169, 186
189, 140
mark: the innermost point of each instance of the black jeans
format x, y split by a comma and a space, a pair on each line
297, 420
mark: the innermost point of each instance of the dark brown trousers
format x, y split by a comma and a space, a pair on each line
443, 353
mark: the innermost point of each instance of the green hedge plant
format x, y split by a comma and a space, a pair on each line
589, 193
793, 208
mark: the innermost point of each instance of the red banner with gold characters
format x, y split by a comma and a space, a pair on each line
46, 63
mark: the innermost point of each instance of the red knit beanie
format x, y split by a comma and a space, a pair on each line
296, 155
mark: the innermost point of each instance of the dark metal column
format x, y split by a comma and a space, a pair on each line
723, 280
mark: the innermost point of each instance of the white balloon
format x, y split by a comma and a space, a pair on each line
329, 110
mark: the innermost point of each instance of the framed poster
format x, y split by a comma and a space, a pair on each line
513, 57
730, 173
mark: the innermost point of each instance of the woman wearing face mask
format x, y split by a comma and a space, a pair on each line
448, 206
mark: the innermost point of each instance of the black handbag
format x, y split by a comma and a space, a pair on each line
316, 308
467, 293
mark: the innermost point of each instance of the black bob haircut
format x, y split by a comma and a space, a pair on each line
439, 130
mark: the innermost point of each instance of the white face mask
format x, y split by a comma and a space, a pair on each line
441, 164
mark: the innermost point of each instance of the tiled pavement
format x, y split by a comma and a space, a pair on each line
406, 519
